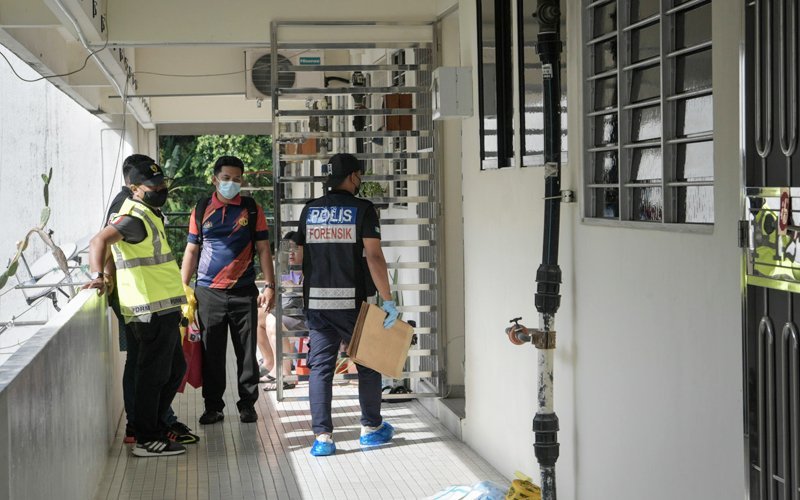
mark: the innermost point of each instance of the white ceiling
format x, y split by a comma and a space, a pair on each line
180, 37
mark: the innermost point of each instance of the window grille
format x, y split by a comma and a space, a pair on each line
649, 106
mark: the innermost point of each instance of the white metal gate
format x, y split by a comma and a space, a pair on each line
364, 88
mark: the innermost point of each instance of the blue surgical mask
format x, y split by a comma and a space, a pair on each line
229, 189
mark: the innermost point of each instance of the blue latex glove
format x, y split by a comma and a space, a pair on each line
390, 309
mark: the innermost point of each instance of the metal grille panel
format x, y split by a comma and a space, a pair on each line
375, 104
772, 271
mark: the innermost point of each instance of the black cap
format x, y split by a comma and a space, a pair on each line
147, 173
340, 166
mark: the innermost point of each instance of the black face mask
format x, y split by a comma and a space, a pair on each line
155, 199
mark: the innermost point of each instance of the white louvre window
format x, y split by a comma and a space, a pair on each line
648, 127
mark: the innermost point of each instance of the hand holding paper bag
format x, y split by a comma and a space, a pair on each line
384, 350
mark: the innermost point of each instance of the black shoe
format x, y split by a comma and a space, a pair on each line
211, 417
181, 433
159, 448
248, 415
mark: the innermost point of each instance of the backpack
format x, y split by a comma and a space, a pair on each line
252, 217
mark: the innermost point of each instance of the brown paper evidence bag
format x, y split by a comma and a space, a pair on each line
372, 345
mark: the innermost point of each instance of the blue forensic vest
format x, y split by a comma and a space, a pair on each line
336, 276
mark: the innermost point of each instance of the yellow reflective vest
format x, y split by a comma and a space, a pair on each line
148, 278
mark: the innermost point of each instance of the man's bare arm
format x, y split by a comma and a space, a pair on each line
377, 267
189, 265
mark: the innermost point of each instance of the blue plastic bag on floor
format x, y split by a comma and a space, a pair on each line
484, 490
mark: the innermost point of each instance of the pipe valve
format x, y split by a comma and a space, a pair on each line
517, 333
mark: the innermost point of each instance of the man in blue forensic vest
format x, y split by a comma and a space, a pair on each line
150, 296
343, 264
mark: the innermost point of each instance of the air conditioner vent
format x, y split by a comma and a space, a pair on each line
258, 80
262, 73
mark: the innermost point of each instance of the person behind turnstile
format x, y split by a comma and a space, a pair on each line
267, 322
339, 237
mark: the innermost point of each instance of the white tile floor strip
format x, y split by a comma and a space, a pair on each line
270, 459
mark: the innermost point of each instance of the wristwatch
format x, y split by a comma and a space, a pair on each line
269, 285
96, 275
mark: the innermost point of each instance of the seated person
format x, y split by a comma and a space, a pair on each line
267, 328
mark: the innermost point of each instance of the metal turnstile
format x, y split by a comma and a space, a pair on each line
364, 88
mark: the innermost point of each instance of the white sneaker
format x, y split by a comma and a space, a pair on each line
325, 438
365, 429
158, 449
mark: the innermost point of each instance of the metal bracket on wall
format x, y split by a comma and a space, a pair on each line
566, 196
543, 339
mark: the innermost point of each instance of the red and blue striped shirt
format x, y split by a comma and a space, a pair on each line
226, 258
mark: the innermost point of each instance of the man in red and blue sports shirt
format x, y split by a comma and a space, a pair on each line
226, 292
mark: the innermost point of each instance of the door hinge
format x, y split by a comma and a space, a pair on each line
743, 232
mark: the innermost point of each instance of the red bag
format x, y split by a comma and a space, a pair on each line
193, 353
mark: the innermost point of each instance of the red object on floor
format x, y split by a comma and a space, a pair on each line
302, 366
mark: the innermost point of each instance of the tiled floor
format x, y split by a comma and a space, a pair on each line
270, 459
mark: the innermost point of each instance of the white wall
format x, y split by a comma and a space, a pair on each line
648, 365
60, 402
40, 127
503, 215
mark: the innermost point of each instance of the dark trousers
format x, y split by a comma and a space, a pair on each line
219, 310
327, 330
160, 366
129, 379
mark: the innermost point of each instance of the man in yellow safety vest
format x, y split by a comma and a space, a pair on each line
150, 295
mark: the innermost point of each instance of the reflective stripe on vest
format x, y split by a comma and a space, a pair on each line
331, 293
332, 303
159, 305
144, 261
148, 278
331, 298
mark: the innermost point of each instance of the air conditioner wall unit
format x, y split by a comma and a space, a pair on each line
258, 83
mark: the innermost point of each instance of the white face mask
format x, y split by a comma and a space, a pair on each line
228, 189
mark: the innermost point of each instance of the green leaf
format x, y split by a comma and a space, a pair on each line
45, 179
45, 217
12, 268
46, 196
3, 279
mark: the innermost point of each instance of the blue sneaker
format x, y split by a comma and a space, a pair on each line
323, 448
381, 435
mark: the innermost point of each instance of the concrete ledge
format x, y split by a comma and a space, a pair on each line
449, 411
58, 406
